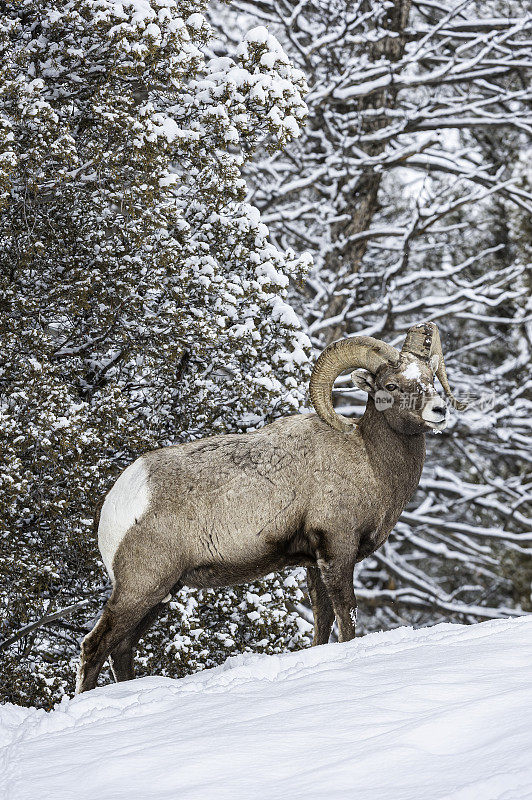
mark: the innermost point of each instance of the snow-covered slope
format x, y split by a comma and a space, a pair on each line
443, 712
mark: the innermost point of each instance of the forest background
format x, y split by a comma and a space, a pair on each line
195, 200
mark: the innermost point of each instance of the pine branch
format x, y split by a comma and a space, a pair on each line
46, 620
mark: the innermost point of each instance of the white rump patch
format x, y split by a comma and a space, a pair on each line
412, 371
125, 504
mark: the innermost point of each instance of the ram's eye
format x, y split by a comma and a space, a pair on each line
391, 387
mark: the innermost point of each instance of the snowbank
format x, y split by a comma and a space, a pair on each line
442, 712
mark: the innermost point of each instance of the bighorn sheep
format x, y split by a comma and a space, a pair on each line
321, 491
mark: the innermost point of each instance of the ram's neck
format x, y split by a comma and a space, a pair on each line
397, 458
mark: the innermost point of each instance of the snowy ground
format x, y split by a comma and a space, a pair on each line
443, 712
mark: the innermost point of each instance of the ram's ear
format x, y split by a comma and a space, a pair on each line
364, 380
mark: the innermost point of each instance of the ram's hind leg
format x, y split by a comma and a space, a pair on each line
117, 621
321, 606
123, 613
121, 657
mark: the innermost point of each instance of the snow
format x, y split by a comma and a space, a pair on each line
196, 21
167, 127
412, 371
142, 10
440, 712
259, 35
281, 311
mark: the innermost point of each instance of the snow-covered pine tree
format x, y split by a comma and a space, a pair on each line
142, 302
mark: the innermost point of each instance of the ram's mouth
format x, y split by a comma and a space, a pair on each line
435, 414
437, 427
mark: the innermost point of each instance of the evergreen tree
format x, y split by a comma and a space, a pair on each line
142, 302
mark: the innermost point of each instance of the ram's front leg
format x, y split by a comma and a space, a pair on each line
337, 576
321, 606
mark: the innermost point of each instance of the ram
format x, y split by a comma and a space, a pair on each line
316, 490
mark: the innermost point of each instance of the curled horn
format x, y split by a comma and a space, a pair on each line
423, 341
358, 351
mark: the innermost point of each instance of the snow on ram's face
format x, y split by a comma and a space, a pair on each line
412, 371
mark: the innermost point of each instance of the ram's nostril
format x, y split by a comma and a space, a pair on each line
439, 410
